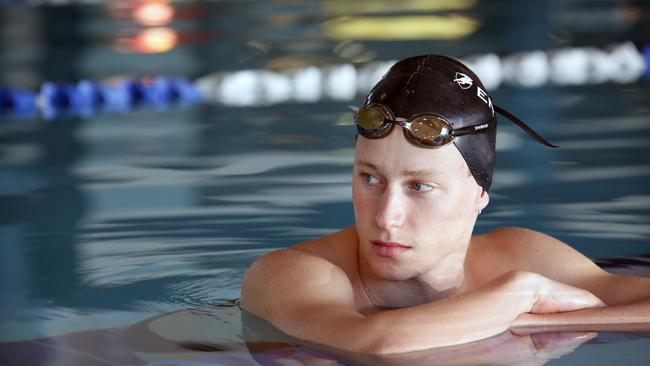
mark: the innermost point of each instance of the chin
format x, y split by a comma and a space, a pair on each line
391, 271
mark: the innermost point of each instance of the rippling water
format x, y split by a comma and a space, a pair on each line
115, 219
109, 220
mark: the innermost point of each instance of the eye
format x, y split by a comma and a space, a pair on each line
420, 187
369, 179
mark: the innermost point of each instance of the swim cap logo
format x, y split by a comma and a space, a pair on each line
464, 81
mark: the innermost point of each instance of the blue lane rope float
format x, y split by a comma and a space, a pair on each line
18, 102
87, 97
620, 63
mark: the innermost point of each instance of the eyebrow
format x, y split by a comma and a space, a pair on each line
405, 173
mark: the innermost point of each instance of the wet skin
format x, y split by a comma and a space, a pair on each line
411, 264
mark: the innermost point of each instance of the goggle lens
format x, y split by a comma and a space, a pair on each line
431, 130
427, 130
370, 118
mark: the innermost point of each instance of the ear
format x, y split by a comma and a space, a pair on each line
482, 200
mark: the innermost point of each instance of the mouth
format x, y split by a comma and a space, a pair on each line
388, 248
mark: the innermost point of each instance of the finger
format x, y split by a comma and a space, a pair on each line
557, 297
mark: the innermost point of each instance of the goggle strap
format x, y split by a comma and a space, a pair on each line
523, 126
470, 130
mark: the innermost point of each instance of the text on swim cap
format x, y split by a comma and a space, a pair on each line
485, 98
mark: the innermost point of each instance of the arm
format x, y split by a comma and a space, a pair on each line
619, 318
310, 298
629, 309
627, 297
503, 349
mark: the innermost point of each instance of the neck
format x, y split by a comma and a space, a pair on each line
449, 277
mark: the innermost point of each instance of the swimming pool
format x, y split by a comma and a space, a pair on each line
110, 220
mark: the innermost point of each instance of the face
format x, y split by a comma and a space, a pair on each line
415, 208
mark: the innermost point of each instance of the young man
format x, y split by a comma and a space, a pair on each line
409, 275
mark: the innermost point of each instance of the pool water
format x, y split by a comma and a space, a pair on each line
223, 334
115, 219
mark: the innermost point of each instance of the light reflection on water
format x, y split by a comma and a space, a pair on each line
115, 219
173, 210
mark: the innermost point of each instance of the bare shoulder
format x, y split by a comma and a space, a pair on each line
522, 244
517, 248
336, 247
286, 280
514, 248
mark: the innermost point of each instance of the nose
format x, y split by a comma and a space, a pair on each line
391, 209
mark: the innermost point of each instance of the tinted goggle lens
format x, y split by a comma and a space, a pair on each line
431, 130
370, 118
426, 130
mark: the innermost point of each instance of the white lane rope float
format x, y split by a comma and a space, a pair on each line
617, 63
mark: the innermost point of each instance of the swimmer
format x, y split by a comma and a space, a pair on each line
410, 274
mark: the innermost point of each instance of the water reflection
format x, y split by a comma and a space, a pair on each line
603, 173
111, 220
223, 334
620, 218
595, 126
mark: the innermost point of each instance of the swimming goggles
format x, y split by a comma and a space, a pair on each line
428, 130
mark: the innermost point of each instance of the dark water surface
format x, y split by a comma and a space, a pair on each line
111, 220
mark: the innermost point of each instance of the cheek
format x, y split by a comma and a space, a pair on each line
446, 210
362, 200
437, 214
452, 213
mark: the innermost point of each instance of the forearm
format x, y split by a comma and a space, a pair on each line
459, 319
635, 316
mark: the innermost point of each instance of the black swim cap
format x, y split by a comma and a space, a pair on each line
444, 86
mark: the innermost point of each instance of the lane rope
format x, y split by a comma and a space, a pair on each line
618, 63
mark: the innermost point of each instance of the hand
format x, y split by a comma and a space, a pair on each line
550, 296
